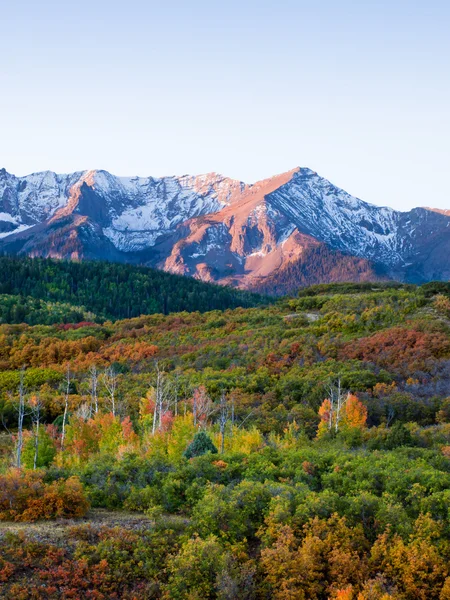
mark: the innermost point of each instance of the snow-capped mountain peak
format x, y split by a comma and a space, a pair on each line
214, 227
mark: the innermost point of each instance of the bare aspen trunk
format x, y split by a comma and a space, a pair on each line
337, 401
185, 398
159, 395
155, 413
110, 383
66, 407
36, 438
20, 418
338, 407
36, 405
94, 387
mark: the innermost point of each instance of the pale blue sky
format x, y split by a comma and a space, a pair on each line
358, 91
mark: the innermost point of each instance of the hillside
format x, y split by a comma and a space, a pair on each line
318, 264
278, 359
299, 449
100, 290
221, 230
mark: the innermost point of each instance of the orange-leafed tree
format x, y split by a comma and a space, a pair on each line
344, 594
326, 417
355, 413
128, 433
82, 439
341, 412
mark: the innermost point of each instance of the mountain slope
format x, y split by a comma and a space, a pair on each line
110, 291
132, 211
218, 229
318, 263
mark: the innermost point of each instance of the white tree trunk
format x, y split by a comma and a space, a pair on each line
66, 407
21, 416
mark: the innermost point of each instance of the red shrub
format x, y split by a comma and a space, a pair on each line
399, 349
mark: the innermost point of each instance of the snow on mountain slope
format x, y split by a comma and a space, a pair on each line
132, 211
25, 201
156, 207
276, 221
220, 229
242, 241
333, 216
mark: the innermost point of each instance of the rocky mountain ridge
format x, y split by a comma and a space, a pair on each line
219, 229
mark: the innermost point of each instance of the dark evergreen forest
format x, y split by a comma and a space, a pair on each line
46, 291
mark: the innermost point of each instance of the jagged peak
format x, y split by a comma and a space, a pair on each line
304, 171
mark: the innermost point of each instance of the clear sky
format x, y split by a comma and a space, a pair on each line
356, 90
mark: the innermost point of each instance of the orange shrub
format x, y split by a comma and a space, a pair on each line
220, 464
446, 451
25, 497
134, 352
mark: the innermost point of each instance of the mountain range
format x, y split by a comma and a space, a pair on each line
290, 230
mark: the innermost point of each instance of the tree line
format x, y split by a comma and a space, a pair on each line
109, 290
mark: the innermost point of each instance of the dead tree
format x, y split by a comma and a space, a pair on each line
202, 406
66, 406
163, 398
194, 407
155, 410
110, 381
21, 416
337, 398
175, 392
186, 393
93, 388
390, 415
84, 411
36, 412
160, 392
223, 418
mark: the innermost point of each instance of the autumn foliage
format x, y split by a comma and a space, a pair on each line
348, 416
404, 350
24, 496
297, 451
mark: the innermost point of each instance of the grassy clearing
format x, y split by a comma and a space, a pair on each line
56, 531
